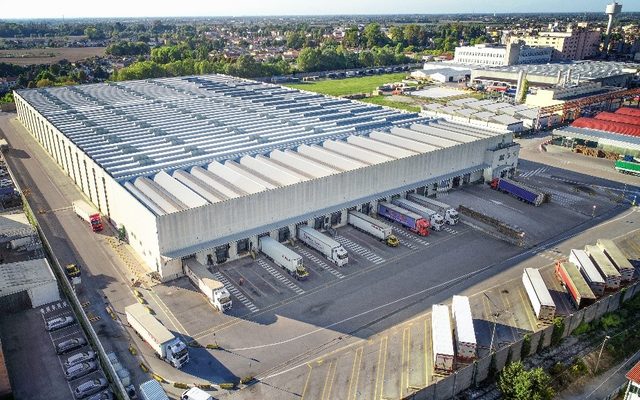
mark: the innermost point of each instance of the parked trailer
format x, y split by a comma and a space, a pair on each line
627, 167
539, 296
372, 226
414, 222
449, 213
324, 244
89, 214
465, 334
618, 259
607, 270
284, 257
443, 354
435, 220
518, 190
204, 280
569, 275
589, 271
167, 347
152, 390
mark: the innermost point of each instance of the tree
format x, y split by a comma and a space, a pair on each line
295, 40
516, 383
373, 35
351, 37
396, 33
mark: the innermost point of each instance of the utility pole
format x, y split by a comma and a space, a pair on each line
600, 353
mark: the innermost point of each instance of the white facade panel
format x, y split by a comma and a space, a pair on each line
405, 143
355, 152
423, 137
44, 294
435, 130
379, 147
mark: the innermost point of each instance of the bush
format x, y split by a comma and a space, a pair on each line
558, 330
583, 328
611, 321
526, 346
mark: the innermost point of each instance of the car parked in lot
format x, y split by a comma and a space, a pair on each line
106, 395
89, 387
79, 358
58, 323
80, 370
70, 344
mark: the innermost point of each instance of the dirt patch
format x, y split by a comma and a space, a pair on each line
49, 55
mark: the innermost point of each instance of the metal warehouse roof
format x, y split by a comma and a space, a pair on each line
584, 69
23, 275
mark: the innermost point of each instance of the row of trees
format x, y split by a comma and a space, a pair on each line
334, 58
128, 49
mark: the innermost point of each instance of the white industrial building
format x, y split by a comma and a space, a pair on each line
497, 55
27, 283
200, 166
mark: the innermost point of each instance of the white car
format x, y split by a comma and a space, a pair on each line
58, 323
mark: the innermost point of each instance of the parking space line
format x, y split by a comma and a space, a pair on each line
404, 376
323, 265
534, 324
328, 382
380, 372
356, 248
407, 235
234, 291
450, 230
306, 382
280, 277
512, 317
355, 373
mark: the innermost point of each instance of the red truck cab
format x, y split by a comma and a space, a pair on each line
422, 227
96, 222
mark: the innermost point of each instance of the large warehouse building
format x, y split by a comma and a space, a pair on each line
201, 166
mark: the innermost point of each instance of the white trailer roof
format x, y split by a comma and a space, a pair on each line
463, 319
369, 219
587, 266
614, 253
355, 152
601, 261
269, 241
203, 273
379, 147
401, 210
414, 206
423, 137
441, 330
178, 190
402, 142
328, 157
158, 331
539, 287
429, 200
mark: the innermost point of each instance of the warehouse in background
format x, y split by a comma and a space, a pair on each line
203, 166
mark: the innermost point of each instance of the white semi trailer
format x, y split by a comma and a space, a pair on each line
465, 333
543, 306
443, 353
374, 227
619, 260
286, 258
449, 213
435, 219
204, 280
167, 347
589, 271
324, 244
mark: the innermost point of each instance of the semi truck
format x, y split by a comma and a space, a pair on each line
89, 214
372, 226
284, 257
204, 280
543, 306
412, 221
435, 220
588, 270
450, 215
465, 334
166, 345
152, 390
628, 167
618, 259
518, 190
324, 244
569, 275
607, 270
443, 354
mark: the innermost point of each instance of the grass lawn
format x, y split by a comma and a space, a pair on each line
384, 101
341, 87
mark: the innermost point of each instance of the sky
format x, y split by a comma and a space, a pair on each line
164, 8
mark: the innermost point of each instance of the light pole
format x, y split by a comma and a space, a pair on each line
600, 353
593, 212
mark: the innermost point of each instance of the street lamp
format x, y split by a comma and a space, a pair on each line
593, 212
600, 354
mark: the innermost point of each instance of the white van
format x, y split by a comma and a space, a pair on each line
195, 394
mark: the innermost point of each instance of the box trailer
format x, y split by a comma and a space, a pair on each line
152, 390
410, 220
543, 306
204, 280
610, 274
435, 220
569, 275
449, 213
518, 190
324, 244
373, 227
589, 271
465, 334
622, 264
167, 347
443, 353
88, 213
284, 257
627, 167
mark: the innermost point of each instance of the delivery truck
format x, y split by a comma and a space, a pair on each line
443, 354
465, 334
570, 277
607, 270
373, 227
324, 244
435, 220
410, 220
589, 271
166, 345
543, 306
284, 257
204, 280
618, 259
450, 215
152, 390
518, 190
89, 214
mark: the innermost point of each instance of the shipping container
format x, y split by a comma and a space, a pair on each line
443, 354
622, 264
571, 278
607, 126
465, 334
589, 271
613, 117
607, 270
543, 306
152, 390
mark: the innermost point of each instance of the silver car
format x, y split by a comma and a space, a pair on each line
87, 388
79, 370
58, 323
70, 344
79, 358
106, 395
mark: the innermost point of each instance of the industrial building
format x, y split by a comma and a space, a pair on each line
201, 166
497, 55
27, 284
573, 44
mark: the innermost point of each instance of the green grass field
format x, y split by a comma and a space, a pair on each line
341, 87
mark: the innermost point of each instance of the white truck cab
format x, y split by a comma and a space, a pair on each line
195, 394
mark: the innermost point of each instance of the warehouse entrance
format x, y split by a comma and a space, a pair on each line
284, 234
222, 253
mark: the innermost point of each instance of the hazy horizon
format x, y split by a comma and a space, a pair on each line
41, 9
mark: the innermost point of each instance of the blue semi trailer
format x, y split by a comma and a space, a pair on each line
518, 190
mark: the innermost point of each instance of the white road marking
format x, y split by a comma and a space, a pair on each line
280, 277
356, 248
234, 291
323, 265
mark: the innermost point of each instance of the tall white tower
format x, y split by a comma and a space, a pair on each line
612, 11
